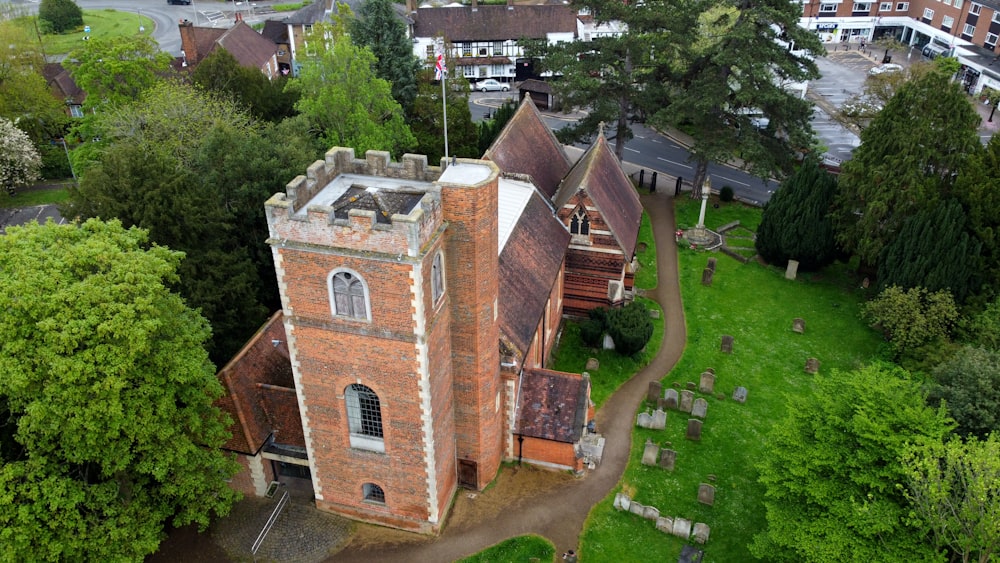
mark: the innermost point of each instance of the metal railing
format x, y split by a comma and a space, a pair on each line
270, 523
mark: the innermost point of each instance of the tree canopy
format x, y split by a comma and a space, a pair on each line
911, 318
379, 28
427, 121
24, 93
19, 161
60, 16
264, 98
108, 426
968, 384
116, 70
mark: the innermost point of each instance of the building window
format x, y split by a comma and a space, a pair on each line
437, 279
902, 6
958, 4
466, 49
975, 8
991, 40
75, 110
996, 16
364, 418
348, 295
579, 223
969, 30
373, 493
469, 71
828, 8
885, 7
928, 14
862, 7
947, 21
946, 2
497, 48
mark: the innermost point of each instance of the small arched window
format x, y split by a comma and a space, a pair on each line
348, 295
373, 493
579, 223
437, 279
364, 418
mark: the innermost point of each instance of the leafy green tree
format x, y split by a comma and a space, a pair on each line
345, 101
955, 491
982, 328
427, 122
831, 468
116, 70
19, 161
910, 318
976, 188
908, 160
629, 327
968, 383
796, 224
380, 28
60, 16
265, 98
108, 426
25, 96
933, 250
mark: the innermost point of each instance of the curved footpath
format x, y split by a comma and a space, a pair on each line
559, 514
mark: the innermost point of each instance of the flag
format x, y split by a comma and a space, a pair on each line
439, 67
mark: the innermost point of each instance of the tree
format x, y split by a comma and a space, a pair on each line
975, 187
982, 328
860, 109
108, 425
489, 129
955, 491
831, 468
908, 160
912, 317
380, 28
345, 101
19, 161
427, 122
266, 99
116, 70
933, 250
796, 224
25, 96
629, 327
60, 16
968, 384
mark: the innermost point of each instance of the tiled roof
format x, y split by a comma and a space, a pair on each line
493, 22
62, 84
275, 31
527, 146
553, 405
599, 173
529, 267
532, 85
205, 41
248, 47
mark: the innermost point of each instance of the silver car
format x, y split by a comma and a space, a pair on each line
490, 85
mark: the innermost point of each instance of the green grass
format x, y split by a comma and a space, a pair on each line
516, 550
103, 24
715, 217
645, 252
289, 7
756, 305
35, 197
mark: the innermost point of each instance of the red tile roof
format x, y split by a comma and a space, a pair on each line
248, 47
527, 146
553, 405
493, 22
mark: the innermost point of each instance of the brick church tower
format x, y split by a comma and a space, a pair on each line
388, 281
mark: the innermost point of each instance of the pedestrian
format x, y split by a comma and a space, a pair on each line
569, 556
862, 44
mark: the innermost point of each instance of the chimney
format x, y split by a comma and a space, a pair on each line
188, 43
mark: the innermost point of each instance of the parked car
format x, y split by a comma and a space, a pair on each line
883, 68
179, 2
490, 85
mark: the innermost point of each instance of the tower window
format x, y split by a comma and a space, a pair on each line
373, 493
364, 417
437, 279
348, 295
579, 223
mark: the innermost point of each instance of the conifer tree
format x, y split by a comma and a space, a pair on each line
381, 29
427, 121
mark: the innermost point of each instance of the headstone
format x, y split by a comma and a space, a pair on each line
690, 554
650, 454
654, 313
667, 459
592, 364
644, 420
670, 398
812, 365
659, 420
691, 385
682, 528
727, 344
798, 325
865, 283
694, 429
706, 494
622, 501
687, 400
711, 264
665, 524
701, 531
651, 513
653, 393
707, 382
740, 394
699, 408
661, 404
636, 508
792, 270
706, 276
609, 343
710, 370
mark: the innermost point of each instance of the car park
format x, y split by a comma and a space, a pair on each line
884, 68
490, 85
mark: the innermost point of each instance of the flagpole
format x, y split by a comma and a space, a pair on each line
444, 111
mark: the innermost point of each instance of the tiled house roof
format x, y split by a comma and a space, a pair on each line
276, 31
553, 405
527, 146
599, 173
62, 84
248, 47
493, 22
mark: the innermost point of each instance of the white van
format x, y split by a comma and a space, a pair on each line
932, 51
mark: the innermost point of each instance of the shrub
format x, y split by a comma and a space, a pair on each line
55, 166
19, 160
61, 15
591, 331
726, 194
630, 327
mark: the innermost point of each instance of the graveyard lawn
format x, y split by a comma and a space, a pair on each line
521, 548
645, 253
755, 305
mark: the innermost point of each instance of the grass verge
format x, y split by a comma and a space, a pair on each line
35, 197
103, 24
516, 550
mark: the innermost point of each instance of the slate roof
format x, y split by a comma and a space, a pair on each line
600, 175
248, 47
307, 15
275, 31
527, 146
553, 405
493, 22
62, 84
529, 267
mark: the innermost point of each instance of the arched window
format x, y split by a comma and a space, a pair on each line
373, 493
437, 279
579, 223
364, 418
348, 295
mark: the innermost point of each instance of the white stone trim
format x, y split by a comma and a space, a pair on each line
424, 389
594, 249
256, 465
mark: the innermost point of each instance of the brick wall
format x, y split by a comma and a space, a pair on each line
557, 455
589, 268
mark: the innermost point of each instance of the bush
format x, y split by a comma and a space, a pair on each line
55, 166
61, 15
591, 332
630, 327
726, 194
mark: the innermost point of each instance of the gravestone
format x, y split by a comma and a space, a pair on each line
690, 554
798, 325
691, 386
609, 343
706, 276
670, 398
661, 403
654, 313
740, 394
636, 508
694, 429
706, 494
865, 283
667, 459
707, 382
665, 524
622, 501
812, 365
687, 400
711, 264
644, 420
792, 270
701, 531
727, 344
651, 513
682, 528
592, 365
659, 420
700, 408
653, 393
650, 454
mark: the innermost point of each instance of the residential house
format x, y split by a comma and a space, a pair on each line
64, 87
248, 47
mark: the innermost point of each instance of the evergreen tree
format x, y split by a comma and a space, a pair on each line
60, 16
383, 31
968, 385
428, 126
933, 250
796, 224
977, 188
489, 129
265, 98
